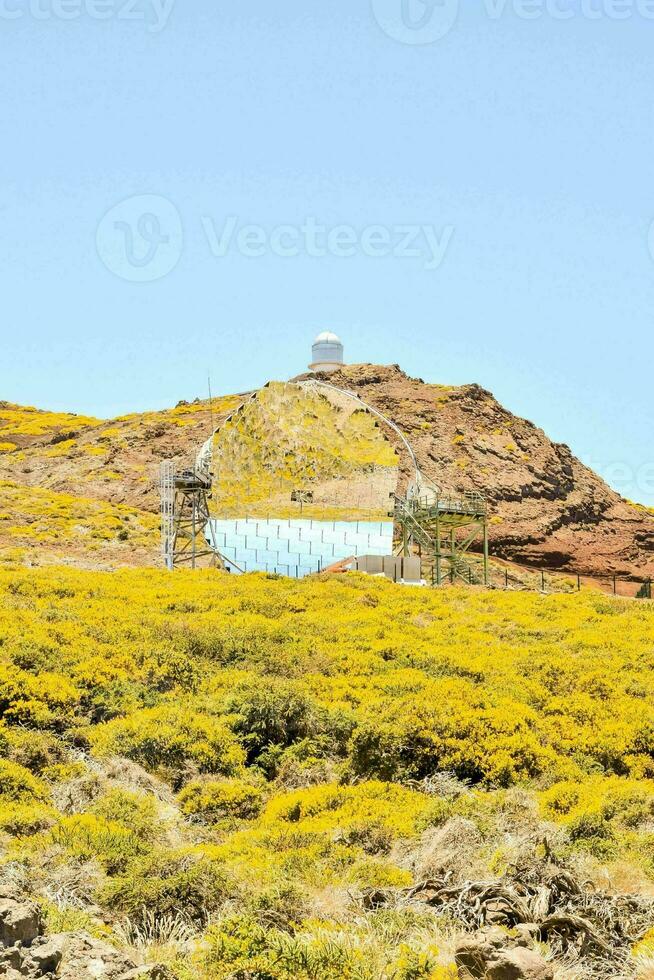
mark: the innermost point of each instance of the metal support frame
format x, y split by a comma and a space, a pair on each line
443, 529
185, 518
167, 493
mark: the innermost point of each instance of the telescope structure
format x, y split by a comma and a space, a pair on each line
304, 477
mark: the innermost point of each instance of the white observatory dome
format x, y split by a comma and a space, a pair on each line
327, 352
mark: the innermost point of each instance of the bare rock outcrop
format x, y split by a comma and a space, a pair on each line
548, 507
27, 954
20, 922
494, 954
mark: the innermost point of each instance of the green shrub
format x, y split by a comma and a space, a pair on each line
19, 784
167, 881
590, 826
35, 751
135, 812
69, 919
215, 800
277, 713
171, 739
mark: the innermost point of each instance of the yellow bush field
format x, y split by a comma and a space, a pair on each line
264, 753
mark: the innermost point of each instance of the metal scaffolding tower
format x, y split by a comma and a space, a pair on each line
442, 529
167, 495
185, 519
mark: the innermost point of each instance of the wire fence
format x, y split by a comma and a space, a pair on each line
504, 574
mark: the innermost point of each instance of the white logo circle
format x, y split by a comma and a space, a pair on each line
141, 239
416, 21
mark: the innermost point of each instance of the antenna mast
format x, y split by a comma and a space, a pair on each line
213, 427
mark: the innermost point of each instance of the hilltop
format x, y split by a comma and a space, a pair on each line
548, 508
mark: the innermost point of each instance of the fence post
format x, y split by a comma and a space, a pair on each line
615, 586
578, 583
486, 581
506, 578
542, 578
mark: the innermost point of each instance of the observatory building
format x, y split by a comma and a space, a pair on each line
326, 353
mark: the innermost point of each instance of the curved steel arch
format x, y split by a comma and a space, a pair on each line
204, 458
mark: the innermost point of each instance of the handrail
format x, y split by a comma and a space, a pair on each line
468, 503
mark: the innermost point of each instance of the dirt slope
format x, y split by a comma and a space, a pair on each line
548, 508
84, 491
114, 460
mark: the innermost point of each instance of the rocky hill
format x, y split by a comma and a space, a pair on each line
85, 491
548, 508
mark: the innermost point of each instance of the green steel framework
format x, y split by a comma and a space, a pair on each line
442, 529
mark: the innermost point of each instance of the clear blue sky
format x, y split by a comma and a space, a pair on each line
524, 146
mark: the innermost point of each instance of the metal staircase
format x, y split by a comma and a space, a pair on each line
442, 528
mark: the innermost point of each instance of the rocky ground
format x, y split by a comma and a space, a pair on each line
25, 952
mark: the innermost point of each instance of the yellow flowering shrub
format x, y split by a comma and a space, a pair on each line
21, 819
239, 946
645, 948
17, 784
85, 836
27, 423
41, 517
228, 798
169, 738
134, 812
259, 751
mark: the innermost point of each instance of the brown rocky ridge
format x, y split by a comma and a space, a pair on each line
547, 507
